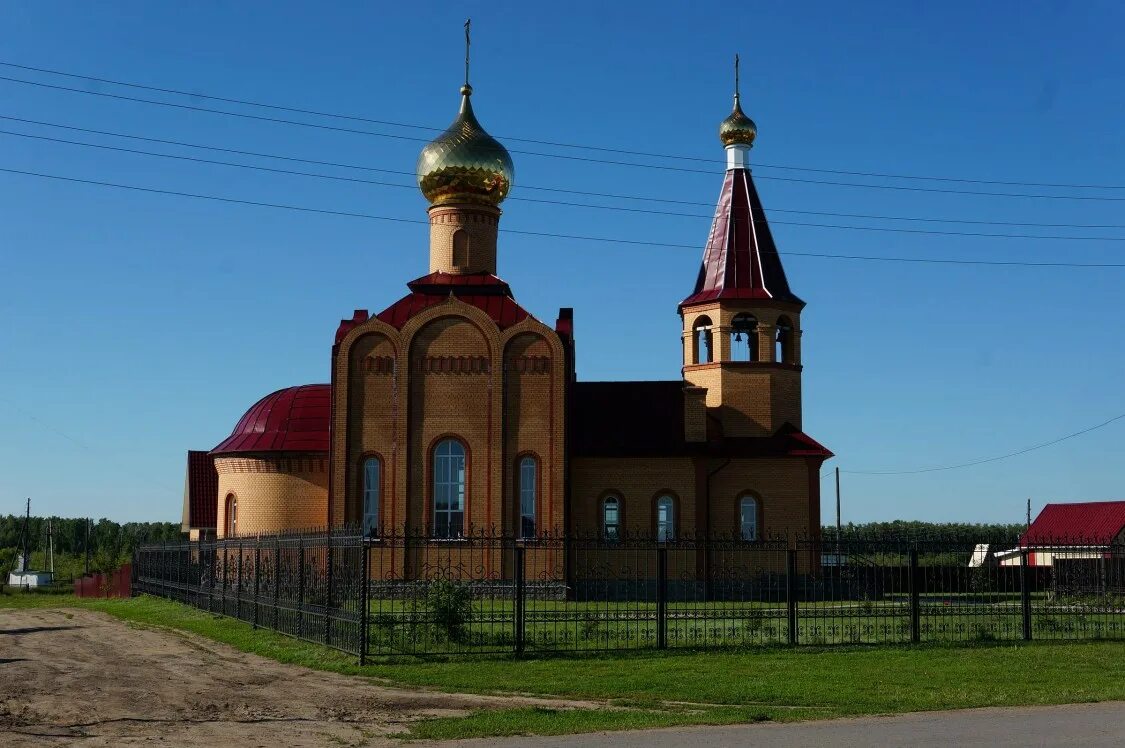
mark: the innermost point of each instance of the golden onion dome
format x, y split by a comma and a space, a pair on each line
738, 129
465, 164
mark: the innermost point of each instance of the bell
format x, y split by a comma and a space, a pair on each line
738, 337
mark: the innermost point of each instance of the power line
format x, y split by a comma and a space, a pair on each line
662, 167
559, 144
617, 196
357, 180
988, 459
577, 237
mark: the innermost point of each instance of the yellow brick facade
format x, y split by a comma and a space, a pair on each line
272, 494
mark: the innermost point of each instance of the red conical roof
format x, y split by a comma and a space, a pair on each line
741, 260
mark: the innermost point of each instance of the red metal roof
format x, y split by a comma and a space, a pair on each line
646, 419
202, 491
294, 419
484, 291
1086, 523
740, 260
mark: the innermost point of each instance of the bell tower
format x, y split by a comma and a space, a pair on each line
742, 323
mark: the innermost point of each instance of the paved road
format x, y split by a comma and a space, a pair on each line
1086, 725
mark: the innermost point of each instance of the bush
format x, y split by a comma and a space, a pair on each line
450, 605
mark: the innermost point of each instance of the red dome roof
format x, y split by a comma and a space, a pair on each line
291, 420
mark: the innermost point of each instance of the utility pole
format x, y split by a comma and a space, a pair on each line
51, 544
87, 546
1028, 514
26, 537
837, 503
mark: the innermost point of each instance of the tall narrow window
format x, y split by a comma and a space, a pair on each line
372, 483
744, 338
232, 515
748, 518
460, 248
529, 471
665, 519
701, 341
783, 352
449, 489
611, 518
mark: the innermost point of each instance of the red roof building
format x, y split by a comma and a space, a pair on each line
1090, 523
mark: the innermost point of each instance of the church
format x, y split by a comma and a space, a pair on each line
455, 410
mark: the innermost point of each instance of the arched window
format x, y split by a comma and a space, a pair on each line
665, 519
449, 489
372, 484
748, 518
460, 248
529, 475
232, 515
783, 350
701, 341
611, 518
744, 338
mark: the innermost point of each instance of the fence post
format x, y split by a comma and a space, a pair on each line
257, 575
301, 586
328, 597
364, 601
211, 554
520, 593
791, 592
1025, 593
915, 608
238, 589
662, 597
276, 579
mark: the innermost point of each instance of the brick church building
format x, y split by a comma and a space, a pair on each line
455, 408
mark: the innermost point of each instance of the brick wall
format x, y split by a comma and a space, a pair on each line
479, 223
274, 493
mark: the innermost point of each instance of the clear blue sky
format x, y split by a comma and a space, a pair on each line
137, 326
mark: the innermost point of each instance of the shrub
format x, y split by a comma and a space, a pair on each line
450, 605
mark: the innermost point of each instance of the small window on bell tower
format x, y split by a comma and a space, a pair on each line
783, 351
744, 338
460, 248
701, 341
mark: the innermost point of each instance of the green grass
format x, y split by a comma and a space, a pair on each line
655, 689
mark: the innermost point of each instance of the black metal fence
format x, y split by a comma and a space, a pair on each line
491, 593
307, 585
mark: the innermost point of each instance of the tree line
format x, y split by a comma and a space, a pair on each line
959, 533
110, 543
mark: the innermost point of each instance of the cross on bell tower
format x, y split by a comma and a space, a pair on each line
741, 323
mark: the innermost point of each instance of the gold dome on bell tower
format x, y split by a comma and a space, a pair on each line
737, 128
465, 164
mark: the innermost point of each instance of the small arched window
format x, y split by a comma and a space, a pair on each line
665, 519
611, 518
232, 515
372, 485
701, 341
529, 475
783, 351
744, 338
461, 248
449, 489
748, 518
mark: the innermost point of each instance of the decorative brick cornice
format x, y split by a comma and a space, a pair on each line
284, 464
455, 365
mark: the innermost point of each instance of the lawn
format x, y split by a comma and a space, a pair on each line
673, 688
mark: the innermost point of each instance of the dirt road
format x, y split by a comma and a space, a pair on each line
73, 677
